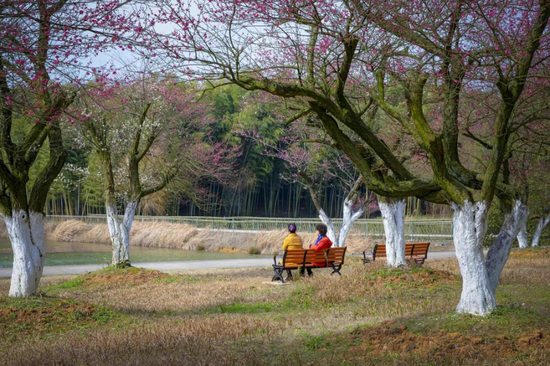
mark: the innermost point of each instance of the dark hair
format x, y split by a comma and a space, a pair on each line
321, 228
292, 228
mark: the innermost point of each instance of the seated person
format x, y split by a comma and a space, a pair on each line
292, 241
322, 243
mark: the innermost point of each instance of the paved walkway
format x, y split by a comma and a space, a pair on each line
181, 265
161, 266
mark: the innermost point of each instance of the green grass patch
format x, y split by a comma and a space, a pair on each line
68, 285
246, 308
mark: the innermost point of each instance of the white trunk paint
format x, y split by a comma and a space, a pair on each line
348, 219
523, 236
393, 216
29, 251
331, 232
538, 232
120, 233
500, 249
469, 228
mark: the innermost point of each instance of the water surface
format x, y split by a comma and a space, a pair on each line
64, 253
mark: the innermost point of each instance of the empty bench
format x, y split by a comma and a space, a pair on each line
332, 258
417, 252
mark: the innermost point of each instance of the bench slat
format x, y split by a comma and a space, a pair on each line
332, 258
416, 251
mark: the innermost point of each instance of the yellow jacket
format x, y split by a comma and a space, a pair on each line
292, 241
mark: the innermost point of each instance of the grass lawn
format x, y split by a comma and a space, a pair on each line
370, 316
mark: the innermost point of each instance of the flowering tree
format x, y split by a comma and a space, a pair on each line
412, 59
147, 133
45, 47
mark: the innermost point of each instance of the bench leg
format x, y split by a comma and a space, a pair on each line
278, 275
336, 269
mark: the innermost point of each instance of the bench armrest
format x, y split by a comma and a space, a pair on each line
369, 252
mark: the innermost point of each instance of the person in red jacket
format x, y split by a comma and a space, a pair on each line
322, 243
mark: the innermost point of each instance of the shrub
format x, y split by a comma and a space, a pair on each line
254, 250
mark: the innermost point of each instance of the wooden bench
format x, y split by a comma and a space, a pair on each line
305, 258
417, 252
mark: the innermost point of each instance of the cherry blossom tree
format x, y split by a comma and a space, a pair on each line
412, 59
148, 133
45, 50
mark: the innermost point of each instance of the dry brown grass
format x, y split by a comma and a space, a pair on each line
230, 316
205, 341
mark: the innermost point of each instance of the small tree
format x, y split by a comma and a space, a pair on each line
147, 134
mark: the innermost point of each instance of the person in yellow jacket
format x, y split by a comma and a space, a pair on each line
292, 241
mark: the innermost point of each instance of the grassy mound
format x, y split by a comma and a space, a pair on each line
39, 314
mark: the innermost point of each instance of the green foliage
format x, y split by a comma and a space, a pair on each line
317, 342
254, 251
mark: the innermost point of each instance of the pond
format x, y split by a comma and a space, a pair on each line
64, 253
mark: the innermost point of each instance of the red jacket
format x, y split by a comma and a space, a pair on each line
322, 244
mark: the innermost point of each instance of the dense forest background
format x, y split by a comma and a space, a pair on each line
260, 186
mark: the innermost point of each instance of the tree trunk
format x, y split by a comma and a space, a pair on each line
348, 219
470, 225
523, 236
500, 249
120, 233
331, 232
29, 251
538, 232
393, 216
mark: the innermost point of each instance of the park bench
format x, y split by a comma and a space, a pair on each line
332, 258
417, 252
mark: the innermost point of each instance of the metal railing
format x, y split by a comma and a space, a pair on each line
414, 228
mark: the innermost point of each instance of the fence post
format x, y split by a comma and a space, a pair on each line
412, 230
367, 229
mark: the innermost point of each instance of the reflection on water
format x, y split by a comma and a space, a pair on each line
62, 253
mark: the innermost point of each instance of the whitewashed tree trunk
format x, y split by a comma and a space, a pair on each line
348, 219
470, 226
325, 219
538, 232
523, 236
500, 249
479, 276
29, 251
120, 233
393, 216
